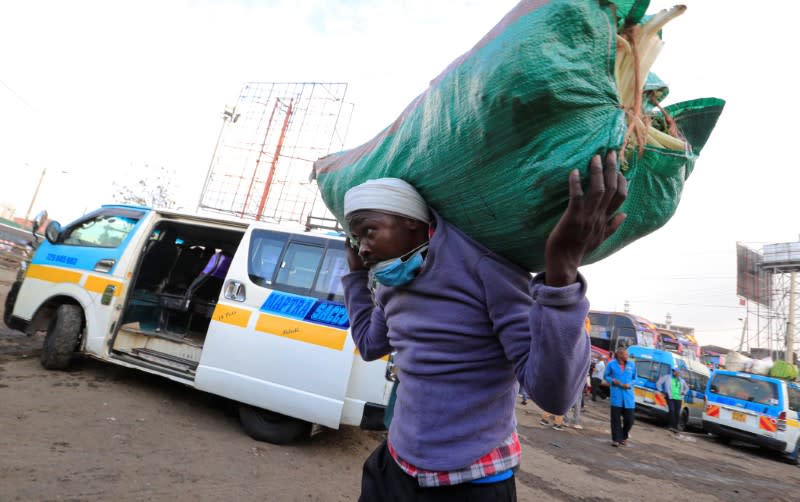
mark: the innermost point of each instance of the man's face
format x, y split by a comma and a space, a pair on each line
622, 355
381, 236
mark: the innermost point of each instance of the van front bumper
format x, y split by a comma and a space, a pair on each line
652, 412
744, 436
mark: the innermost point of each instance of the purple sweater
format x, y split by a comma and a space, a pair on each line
466, 329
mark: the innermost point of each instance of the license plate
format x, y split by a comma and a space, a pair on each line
739, 417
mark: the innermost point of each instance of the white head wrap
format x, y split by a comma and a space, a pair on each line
388, 195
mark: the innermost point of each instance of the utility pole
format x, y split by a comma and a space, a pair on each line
35, 193
788, 354
228, 115
744, 330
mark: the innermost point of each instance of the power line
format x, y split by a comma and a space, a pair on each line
16, 95
687, 304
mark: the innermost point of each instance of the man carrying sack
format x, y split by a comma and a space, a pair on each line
466, 325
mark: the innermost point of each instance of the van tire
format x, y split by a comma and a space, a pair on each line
722, 439
794, 459
265, 425
11, 299
683, 421
62, 337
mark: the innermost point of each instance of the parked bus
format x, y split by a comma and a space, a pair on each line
611, 330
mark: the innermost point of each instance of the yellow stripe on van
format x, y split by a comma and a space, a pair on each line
384, 358
53, 274
99, 284
231, 315
793, 423
323, 336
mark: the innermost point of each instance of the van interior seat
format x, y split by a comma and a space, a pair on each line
159, 258
201, 294
187, 266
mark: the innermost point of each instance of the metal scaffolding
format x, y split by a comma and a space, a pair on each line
770, 325
266, 146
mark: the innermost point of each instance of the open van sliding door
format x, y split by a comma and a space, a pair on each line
278, 338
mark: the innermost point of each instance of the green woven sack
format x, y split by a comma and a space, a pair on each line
491, 142
783, 369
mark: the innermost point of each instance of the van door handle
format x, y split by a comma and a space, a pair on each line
105, 265
234, 290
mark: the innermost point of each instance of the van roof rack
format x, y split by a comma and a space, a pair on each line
322, 223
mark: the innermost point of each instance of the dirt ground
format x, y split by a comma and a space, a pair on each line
99, 432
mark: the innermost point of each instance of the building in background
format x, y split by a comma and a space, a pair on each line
267, 144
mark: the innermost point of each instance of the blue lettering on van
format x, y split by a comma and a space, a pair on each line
288, 305
330, 314
308, 309
60, 258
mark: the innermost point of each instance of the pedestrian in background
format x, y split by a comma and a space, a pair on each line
573, 417
597, 379
620, 374
558, 421
524, 395
674, 387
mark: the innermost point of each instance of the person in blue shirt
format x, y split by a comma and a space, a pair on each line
620, 374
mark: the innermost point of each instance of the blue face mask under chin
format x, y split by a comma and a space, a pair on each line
398, 271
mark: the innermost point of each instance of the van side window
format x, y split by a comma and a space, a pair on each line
794, 398
622, 322
299, 266
102, 230
625, 329
265, 251
702, 382
334, 266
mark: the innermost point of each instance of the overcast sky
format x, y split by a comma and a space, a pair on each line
93, 90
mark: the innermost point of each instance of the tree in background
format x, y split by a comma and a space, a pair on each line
154, 188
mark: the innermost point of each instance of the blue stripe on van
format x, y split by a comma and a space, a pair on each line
308, 309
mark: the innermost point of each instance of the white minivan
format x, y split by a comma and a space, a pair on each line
250, 311
756, 409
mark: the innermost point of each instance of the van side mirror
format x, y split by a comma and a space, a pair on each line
52, 232
38, 220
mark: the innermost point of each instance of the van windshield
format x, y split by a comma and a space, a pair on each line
650, 370
746, 389
103, 231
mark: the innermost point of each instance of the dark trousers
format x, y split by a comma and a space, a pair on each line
384, 481
621, 423
597, 390
674, 412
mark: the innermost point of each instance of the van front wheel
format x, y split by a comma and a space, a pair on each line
11, 299
265, 425
62, 337
683, 422
794, 458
